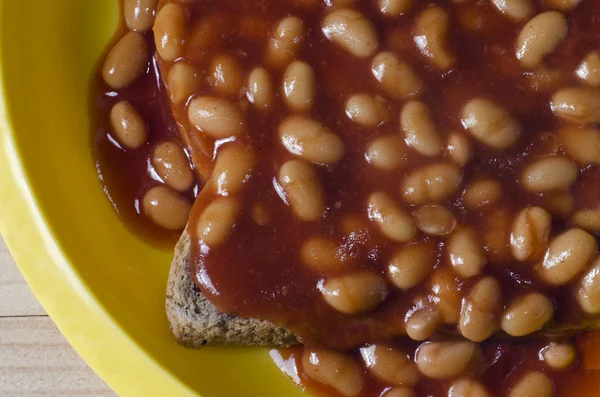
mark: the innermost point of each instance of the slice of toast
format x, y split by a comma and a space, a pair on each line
195, 322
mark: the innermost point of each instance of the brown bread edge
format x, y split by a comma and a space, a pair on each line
195, 322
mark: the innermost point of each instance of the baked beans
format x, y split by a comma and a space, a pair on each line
366, 110
530, 233
533, 384
260, 89
540, 37
410, 265
517, 10
482, 192
431, 184
183, 81
443, 360
396, 78
166, 208
139, 14
467, 388
527, 314
386, 152
434, 220
559, 356
465, 252
321, 254
419, 129
172, 165
232, 169
310, 140
333, 369
352, 31
126, 61
390, 365
299, 86
479, 315
287, 40
490, 124
354, 293
589, 69
216, 117
169, 31
395, 223
226, 75
588, 289
217, 220
549, 173
128, 126
303, 189
431, 37
578, 104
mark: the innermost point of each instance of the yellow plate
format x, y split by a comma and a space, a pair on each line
104, 288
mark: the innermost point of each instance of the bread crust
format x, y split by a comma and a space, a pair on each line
195, 322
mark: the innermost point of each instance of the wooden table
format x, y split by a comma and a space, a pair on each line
35, 359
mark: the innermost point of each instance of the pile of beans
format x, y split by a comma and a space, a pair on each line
415, 183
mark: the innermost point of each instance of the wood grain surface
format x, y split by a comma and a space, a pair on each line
35, 359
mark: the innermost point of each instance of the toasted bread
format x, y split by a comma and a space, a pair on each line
195, 322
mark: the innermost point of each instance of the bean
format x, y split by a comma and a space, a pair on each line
422, 321
588, 289
394, 8
299, 86
391, 365
126, 61
261, 214
139, 14
233, 166
183, 81
482, 192
564, 5
587, 219
259, 90
166, 208
354, 293
393, 221
560, 203
434, 220
446, 296
578, 104
490, 124
432, 30
128, 126
544, 79
527, 314
412, 264
218, 220
589, 69
534, 384
496, 227
366, 110
333, 369
443, 360
303, 189
400, 392
352, 31
226, 75
420, 132
530, 232
286, 41
465, 252
459, 148
320, 254
479, 314
517, 10
169, 31
216, 117
396, 77
467, 388
567, 256
582, 144
540, 37
432, 183
173, 166
310, 140
386, 152
559, 356
549, 173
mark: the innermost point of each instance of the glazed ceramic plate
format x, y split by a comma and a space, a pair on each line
104, 288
